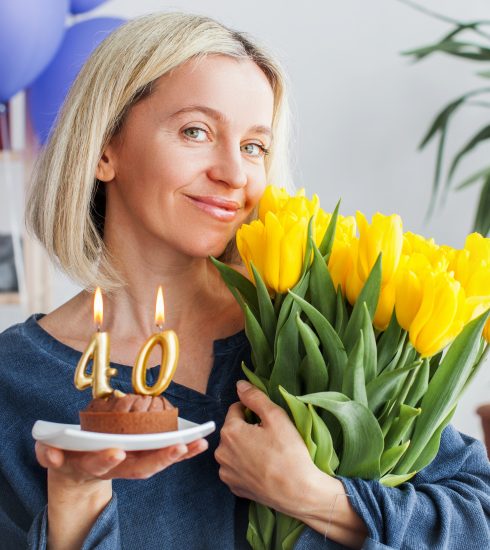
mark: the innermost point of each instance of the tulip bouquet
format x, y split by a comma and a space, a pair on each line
365, 334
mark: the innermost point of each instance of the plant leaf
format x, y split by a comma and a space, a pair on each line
474, 178
268, 319
235, 280
482, 218
444, 388
302, 420
328, 239
393, 480
362, 437
401, 425
370, 351
420, 384
480, 136
322, 291
353, 384
316, 378
332, 347
325, 458
254, 379
261, 353
389, 343
391, 456
385, 387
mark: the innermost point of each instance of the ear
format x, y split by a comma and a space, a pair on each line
106, 167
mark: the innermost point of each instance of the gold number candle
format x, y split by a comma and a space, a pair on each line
97, 351
169, 344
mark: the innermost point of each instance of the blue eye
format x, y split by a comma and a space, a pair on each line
255, 149
196, 134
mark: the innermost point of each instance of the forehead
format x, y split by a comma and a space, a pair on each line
238, 88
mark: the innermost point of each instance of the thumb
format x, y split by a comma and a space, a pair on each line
258, 402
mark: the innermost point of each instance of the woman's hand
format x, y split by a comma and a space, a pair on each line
269, 463
80, 486
78, 467
266, 462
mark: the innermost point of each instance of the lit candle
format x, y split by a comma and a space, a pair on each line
169, 344
97, 351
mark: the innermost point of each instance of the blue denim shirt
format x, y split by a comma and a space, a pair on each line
447, 505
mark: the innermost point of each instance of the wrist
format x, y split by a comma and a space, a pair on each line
65, 488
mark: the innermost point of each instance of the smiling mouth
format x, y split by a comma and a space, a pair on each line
217, 207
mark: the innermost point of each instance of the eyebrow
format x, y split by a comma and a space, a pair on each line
219, 117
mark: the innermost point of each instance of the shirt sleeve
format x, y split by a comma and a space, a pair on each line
446, 506
104, 534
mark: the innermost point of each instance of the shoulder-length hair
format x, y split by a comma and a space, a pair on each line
66, 203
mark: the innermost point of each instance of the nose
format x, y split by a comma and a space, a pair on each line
227, 167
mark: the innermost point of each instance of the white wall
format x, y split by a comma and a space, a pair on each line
361, 109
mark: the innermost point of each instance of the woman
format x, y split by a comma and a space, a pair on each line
162, 150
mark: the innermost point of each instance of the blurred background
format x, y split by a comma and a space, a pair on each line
361, 109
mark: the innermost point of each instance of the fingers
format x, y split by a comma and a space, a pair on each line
49, 457
194, 448
96, 463
258, 402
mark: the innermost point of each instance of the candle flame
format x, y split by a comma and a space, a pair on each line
159, 309
98, 307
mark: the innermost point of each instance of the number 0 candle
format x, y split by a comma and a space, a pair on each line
97, 351
169, 344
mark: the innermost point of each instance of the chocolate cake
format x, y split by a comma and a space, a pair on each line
129, 414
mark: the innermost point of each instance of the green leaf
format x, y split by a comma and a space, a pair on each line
288, 306
362, 437
236, 281
391, 456
441, 120
420, 384
325, 458
308, 250
268, 319
484, 173
261, 353
302, 419
316, 378
328, 239
444, 388
353, 384
266, 521
332, 348
370, 351
341, 315
322, 291
431, 449
287, 361
480, 136
386, 386
393, 480
370, 295
389, 343
256, 380
401, 425
253, 530
482, 218
289, 542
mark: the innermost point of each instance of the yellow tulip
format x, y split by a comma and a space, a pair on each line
384, 235
438, 256
386, 303
273, 200
431, 305
276, 247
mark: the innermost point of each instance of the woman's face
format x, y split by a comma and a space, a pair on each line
187, 167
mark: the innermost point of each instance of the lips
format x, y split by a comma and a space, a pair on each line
218, 207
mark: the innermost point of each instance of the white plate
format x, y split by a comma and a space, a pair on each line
71, 438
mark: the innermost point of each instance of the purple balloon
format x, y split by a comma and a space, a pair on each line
48, 92
81, 6
30, 33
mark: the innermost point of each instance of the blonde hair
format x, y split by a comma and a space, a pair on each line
62, 208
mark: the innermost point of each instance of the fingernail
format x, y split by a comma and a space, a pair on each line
178, 451
117, 456
243, 385
51, 455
